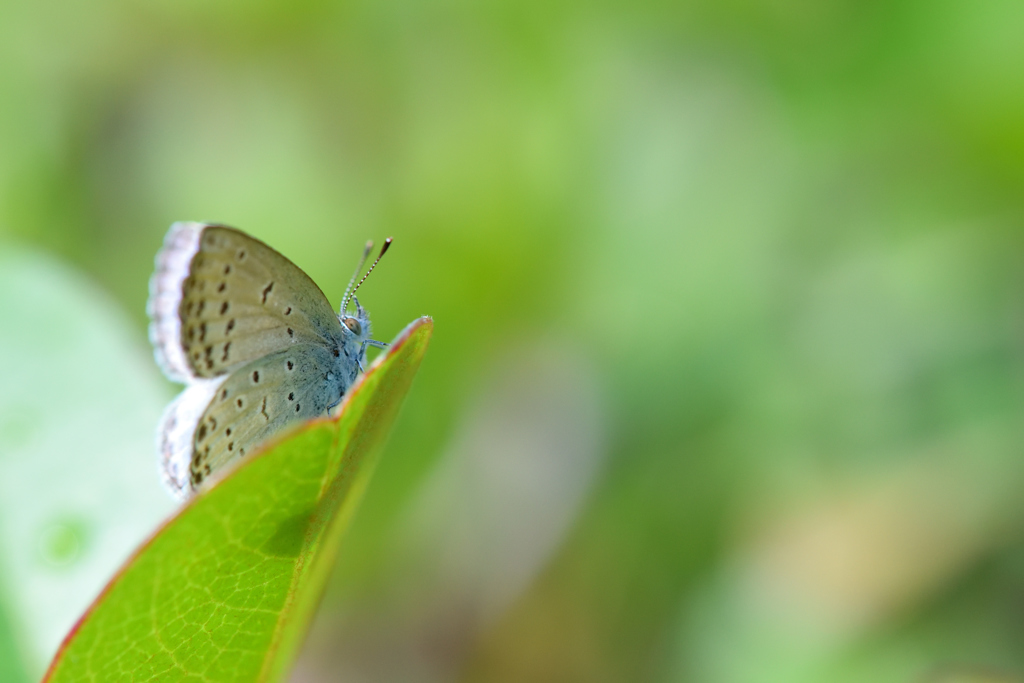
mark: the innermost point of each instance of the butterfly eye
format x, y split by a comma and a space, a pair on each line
353, 324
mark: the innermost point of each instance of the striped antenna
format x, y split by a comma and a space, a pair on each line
387, 243
348, 288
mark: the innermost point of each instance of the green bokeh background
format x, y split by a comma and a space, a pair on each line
728, 303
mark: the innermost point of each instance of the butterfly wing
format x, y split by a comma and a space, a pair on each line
215, 422
221, 299
176, 433
261, 399
254, 338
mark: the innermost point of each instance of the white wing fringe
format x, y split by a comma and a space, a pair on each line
176, 430
172, 267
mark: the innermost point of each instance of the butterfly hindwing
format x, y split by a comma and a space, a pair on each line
260, 399
221, 299
176, 433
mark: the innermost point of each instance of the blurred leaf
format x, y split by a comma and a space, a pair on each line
11, 670
964, 674
78, 487
226, 590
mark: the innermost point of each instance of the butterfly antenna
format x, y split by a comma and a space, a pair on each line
348, 288
387, 243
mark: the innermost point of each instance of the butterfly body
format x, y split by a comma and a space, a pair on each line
254, 339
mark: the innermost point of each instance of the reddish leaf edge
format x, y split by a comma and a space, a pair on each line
395, 346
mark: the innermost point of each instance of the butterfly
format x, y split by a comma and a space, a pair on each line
256, 342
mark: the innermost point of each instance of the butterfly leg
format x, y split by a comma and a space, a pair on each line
378, 344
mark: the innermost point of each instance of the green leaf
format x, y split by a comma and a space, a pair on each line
225, 591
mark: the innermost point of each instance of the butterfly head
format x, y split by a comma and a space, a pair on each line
357, 326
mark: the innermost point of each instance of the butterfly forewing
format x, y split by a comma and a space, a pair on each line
232, 301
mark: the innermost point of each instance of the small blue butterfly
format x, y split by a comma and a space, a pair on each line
255, 341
